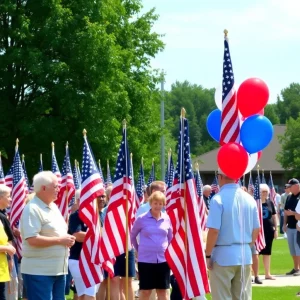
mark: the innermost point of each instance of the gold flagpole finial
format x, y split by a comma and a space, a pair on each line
131, 155
67, 144
84, 132
197, 166
17, 143
41, 156
52, 145
152, 160
183, 112
0, 154
23, 157
124, 124
225, 33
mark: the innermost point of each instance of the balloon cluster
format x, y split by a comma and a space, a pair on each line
256, 131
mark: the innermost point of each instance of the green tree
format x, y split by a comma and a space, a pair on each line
198, 103
271, 113
289, 157
288, 104
68, 65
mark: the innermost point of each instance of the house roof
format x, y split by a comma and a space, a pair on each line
208, 161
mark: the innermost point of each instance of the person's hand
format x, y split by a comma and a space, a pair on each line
67, 240
275, 234
16, 232
209, 264
290, 213
10, 250
10, 265
284, 228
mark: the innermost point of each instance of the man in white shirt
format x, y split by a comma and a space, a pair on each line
45, 242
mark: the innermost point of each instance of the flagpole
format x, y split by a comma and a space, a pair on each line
67, 202
183, 112
126, 224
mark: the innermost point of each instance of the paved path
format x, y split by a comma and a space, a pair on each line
281, 280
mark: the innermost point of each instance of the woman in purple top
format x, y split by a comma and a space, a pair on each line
155, 234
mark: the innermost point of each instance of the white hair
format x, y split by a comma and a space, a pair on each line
264, 187
4, 190
77, 195
206, 188
43, 178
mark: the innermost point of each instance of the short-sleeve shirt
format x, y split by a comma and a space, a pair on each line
76, 225
283, 199
268, 210
291, 203
40, 219
6, 225
234, 213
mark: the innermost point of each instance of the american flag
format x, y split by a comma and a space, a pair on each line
54, 166
215, 188
152, 174
77, 183
41, 168
91, 188
263, 179
185, 253
67, 188
250, 185
100, 170
19, 192
272, 190
201, 203
25, 174
2, 179
140, 185
135, 199
113, 242
169, 183
9, 177
108, 176
230, 124
260, 243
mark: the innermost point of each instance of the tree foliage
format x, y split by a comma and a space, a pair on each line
289, 157
68, 65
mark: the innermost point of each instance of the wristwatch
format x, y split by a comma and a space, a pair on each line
208, 256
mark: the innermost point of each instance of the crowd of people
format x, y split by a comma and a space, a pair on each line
51, 248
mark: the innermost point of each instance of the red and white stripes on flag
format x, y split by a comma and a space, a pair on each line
185, 253
230, 122
91, 188
19, 193
113, 242
272, 191
201, 203
54, 166
9, 177
67, 188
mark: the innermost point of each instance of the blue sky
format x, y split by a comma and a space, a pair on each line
264, 40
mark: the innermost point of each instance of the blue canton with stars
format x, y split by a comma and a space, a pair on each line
66, 168
25, 173
199, 184
11, 170
100, 171
123, 161
170, 171
256, 194
18, 170
140, 183
41, 166
89, 166
152, 175
75, 178
228, 77
54, 167
184, 165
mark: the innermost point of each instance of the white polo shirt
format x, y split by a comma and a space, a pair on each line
41, 219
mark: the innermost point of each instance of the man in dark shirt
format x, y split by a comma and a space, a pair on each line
289, 225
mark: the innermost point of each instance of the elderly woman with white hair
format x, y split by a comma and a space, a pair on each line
270, 227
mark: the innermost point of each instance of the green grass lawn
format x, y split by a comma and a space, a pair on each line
281, 262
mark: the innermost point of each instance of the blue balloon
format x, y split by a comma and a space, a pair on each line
213, 124
256, 133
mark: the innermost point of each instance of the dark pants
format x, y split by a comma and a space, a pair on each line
281, 221
2, 290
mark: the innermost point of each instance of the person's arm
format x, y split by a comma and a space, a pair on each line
46, 241
80, 236
9, 249
255, 233
134, 233
212, 237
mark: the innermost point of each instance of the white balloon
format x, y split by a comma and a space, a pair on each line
218, 97
252, 160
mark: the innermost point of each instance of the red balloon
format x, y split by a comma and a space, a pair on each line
259, 154
261, 112
252, 96
233, 160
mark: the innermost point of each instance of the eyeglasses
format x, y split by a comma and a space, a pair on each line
264, 191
